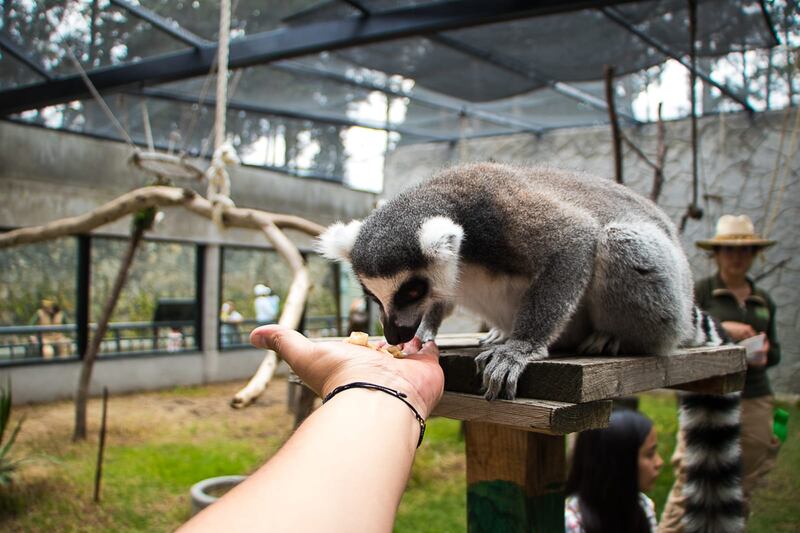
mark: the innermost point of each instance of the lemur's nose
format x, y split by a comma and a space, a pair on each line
398, 334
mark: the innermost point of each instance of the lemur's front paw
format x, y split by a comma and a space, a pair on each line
502, 365
495, 336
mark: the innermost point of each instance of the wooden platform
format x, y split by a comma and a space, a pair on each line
516, 450
566, 394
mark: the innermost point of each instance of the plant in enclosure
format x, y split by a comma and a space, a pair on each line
7, 466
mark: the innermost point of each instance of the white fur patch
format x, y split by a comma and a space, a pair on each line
497, 298
440, 239
337, 241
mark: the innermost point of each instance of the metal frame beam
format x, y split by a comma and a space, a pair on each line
506, 63
616, 16
447, 103
180, 33
286, 43
512, 65
16, 51
279, 112
173, 29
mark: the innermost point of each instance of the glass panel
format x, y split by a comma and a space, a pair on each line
248, 16
37, 301
254, 287
14, 73
243, 269
321, 316
156, 310
97, 33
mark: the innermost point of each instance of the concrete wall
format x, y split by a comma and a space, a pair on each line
47, 175
737, 157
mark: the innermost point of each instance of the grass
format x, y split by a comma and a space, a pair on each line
159, 444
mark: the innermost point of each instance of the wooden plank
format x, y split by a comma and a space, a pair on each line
586, 379
716, 385
515, 479
543, 416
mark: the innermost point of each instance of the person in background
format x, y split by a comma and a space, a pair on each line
53, 342
266, 304
611, 470
747, 313
229, 319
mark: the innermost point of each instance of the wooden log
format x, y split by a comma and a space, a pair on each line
515, 479
543, 416
587, 379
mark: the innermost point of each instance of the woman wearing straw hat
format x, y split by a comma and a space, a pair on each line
747, 314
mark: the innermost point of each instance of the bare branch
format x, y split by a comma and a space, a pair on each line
270, 224
154, 196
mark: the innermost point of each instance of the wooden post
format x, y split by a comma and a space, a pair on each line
515, 479
516, 450
98, 473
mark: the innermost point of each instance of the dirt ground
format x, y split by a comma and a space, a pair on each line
133, 418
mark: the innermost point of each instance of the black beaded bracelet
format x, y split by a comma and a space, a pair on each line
397, 394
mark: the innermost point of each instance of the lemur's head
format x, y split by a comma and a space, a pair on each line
405, 265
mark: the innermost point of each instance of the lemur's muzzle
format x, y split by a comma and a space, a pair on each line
398, 334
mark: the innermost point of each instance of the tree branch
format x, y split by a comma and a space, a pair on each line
270, 224
153, 196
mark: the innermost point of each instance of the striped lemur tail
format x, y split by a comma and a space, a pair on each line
710, 423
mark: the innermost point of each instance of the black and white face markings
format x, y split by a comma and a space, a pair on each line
404, 299
411, 292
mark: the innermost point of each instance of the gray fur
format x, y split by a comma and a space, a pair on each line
574, 260
553, 260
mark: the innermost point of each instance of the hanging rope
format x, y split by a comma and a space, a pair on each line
99, 99
219, 183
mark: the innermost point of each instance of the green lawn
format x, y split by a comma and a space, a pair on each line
159, 444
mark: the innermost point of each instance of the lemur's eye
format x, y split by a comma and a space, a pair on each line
411, 292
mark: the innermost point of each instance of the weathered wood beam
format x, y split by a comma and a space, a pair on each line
541, 416
713, 370
587, 379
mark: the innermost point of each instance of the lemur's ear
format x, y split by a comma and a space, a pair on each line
337, 241
440, 238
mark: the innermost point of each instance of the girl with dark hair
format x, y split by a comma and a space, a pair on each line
611, 469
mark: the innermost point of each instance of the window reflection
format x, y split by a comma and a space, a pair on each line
37, 301
157, 308
254, 287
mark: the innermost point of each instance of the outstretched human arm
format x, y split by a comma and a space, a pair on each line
346, 466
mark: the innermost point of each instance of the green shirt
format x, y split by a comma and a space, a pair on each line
758, 311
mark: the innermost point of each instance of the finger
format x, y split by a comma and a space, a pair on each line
289, 343
430, 348
412, 346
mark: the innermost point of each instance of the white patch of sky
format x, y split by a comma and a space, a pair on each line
365, 147
670, 90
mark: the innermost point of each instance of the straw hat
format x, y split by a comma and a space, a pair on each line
735, 231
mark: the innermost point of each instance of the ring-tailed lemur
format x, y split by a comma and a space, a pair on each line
552, 259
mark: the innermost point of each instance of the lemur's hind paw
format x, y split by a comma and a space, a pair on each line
494, 336
502, 365
599, 343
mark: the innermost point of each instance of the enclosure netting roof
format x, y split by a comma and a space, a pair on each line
456, 70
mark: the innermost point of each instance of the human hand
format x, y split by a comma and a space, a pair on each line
323, 366
738, 330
